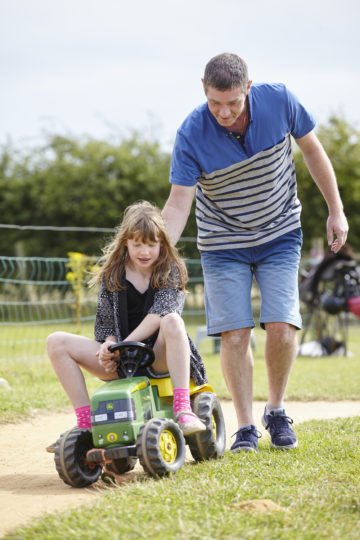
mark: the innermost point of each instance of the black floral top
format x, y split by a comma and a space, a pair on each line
112, 320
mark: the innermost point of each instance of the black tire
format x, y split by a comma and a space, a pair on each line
160, 447
70, 458
121, 465
209, 444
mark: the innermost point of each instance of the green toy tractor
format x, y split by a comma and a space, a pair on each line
132, 418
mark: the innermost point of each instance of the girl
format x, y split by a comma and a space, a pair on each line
142, 292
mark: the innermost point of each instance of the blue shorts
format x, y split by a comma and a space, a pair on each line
228, 276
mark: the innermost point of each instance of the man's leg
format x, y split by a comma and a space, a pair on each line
280, 353
237, 367
276, 272
228, 280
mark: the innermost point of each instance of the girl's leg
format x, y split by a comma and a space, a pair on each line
172, 353
68, 354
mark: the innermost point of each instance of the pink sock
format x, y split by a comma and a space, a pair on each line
83, 416
182, 403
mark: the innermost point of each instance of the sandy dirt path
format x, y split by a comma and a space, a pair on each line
30, 486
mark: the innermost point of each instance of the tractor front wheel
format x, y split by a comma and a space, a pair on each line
160, 447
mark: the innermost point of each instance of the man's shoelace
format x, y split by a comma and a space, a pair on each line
256, 433
278, 420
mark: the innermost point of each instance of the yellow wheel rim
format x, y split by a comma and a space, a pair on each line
168, 446
213, 426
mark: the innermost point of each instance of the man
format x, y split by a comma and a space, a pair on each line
235, 152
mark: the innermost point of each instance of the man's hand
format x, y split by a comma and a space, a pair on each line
337, 229
323, 174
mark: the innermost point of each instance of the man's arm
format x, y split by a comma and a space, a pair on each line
323, 174
177, 209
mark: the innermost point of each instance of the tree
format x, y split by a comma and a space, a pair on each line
68, 182
89, 183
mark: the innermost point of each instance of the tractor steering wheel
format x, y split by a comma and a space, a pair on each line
132, 356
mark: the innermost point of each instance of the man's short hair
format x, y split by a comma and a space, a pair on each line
226, 71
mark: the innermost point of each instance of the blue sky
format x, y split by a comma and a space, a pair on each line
104, 67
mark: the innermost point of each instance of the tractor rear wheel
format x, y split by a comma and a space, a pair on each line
70, 458
209, 444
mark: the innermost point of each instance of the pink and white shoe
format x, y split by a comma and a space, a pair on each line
190, 427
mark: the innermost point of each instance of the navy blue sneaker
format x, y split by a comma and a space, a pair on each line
278, 425
246, 439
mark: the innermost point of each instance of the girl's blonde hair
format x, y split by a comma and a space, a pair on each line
142, 221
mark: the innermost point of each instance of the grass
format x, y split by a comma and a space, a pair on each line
314, 493
21, 342
322, 378
34, 385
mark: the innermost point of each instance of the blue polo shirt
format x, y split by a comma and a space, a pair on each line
246, 189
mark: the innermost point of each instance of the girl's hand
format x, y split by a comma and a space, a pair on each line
106, 358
